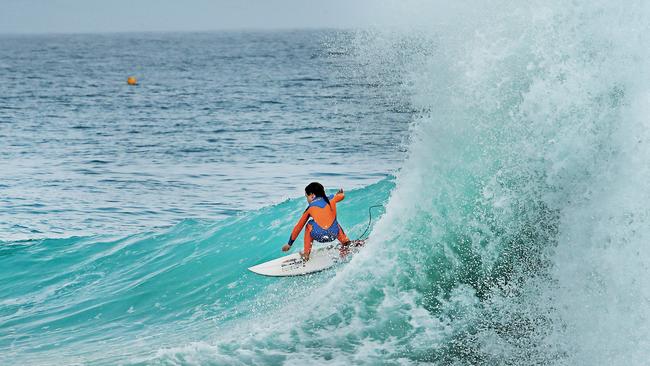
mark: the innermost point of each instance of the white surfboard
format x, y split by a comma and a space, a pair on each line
292, 265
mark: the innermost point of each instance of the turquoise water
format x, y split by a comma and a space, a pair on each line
150, 290
513, 231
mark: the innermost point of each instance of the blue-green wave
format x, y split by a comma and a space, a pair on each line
64, 298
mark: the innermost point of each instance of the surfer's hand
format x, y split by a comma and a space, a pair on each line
286, 247
305, 257
340, 190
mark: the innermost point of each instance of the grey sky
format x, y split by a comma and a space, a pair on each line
72, 16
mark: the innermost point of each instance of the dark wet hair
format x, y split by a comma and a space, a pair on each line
317, 189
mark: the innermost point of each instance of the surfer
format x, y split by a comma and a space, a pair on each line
322, 225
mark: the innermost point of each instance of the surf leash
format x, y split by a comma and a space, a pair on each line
369, 221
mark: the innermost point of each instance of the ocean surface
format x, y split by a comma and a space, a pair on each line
220, 123
506, 142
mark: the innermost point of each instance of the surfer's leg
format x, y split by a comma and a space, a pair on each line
342, 237
308, 239
345, 242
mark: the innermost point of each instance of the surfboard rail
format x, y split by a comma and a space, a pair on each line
293, 265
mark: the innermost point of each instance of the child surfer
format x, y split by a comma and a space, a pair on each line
322, 225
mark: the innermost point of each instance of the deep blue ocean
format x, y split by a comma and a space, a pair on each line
506, 143
220, 123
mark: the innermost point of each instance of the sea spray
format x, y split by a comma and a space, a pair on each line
545, 118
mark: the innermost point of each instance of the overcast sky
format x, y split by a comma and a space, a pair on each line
80, 16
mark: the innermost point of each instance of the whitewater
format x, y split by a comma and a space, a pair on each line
513, 230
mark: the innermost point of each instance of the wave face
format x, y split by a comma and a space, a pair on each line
105, 300
517, 232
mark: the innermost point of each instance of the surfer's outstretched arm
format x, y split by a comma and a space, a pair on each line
296, 230
339, 196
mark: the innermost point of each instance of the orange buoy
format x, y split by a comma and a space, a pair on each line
132, 80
